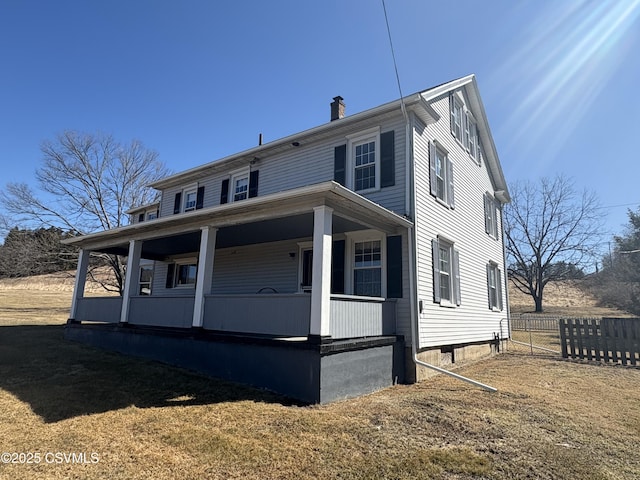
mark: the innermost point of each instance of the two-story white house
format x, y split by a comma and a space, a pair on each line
320, 265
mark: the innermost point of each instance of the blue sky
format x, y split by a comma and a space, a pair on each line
197, 80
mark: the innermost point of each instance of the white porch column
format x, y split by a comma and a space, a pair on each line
81, 278
131, 278
321, 279
204, 276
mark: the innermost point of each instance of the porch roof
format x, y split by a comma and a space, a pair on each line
277, 216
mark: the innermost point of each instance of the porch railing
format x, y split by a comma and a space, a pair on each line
353, 316
286, 315
175, 311
277, 314
99, 309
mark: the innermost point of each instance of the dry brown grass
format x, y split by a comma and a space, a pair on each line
59, 282
551, 419
562, 298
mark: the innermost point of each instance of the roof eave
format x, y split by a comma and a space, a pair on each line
416, 101
321, 192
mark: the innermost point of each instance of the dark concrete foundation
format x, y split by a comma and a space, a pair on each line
308, 371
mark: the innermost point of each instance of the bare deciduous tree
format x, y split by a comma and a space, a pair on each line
87, 182
547, 225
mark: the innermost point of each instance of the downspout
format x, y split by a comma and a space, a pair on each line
506, 275
413, 274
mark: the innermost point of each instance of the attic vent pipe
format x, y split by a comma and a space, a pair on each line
259, 139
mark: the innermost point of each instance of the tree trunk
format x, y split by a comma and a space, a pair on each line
538, 301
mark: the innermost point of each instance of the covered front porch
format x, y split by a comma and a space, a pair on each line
319, 264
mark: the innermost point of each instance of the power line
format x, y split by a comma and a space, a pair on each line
620, 205
395, 65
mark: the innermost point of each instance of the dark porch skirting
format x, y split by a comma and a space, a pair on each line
311, 372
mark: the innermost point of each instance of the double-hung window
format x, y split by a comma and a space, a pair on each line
365, 166
240, 186
464, 127
182, 273
471, 136
186, 274
446, 273
494, 286
367, 268
441, 174
457, 117
146, 278
490, 216
364, 161
190, 197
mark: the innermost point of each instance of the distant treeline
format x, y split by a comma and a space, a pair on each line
34, 252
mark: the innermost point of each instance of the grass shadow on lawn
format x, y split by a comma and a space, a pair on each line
61, 380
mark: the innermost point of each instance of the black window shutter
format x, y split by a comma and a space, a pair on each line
200, 198
171, 270
224, 192
394, 266
176, 203
340, 164
337, 266
253, 184
387, 159
141, 217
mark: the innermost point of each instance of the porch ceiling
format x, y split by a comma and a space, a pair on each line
279, 216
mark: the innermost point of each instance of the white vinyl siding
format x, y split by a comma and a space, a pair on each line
464, 227
264, 268
308, 164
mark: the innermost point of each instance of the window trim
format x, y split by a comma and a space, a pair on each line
148, 284
436, 148
453, 273
493, 267
491, 216
470, 122
455, 104
359, 237
302, 248
467, 121
178, 262
233, 178
193, 188
353, 140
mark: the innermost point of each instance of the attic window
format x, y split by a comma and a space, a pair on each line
457, 117
464, 127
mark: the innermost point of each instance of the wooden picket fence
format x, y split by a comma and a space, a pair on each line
614, 340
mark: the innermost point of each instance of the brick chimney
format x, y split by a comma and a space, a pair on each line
337, 108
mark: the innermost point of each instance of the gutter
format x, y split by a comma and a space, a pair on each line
413, 279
